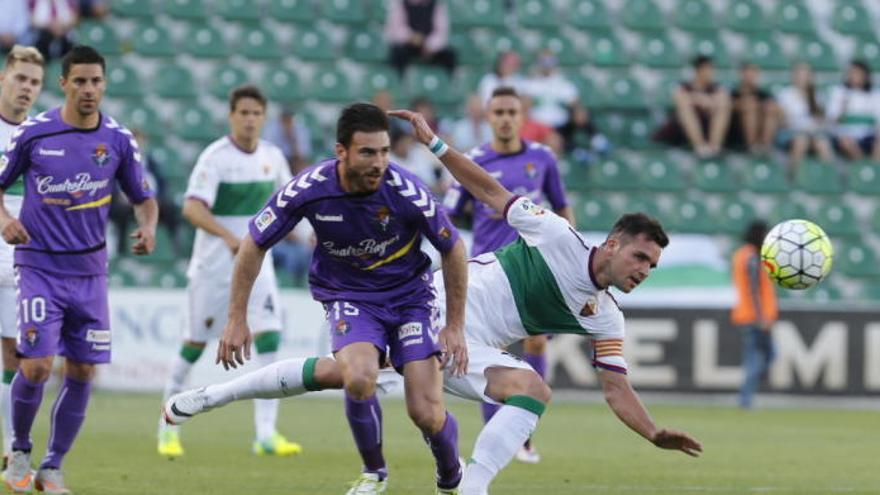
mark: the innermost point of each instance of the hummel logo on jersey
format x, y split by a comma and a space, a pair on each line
46, 152
328, 218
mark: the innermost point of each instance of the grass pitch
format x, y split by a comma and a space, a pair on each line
584, 448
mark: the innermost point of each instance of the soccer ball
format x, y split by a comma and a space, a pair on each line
797, 254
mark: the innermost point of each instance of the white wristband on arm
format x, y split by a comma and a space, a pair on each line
437, 146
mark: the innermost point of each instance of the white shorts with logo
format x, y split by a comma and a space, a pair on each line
480, 358
209, 306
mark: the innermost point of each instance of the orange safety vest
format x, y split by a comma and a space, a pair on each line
744, 311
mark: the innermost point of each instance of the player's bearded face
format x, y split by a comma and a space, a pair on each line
632, 260
365, 160
505, 116
21, 85
84, 87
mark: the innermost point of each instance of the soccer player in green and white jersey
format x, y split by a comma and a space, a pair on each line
230, 182
21, 81
548, 281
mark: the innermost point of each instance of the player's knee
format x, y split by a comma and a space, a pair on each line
428, 416
83, 372
36, 370
540, 391
360, 385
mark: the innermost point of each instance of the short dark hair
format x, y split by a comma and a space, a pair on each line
701, 60
81, 54
756, 232
864, 67
246, 91
633, 224
360, 117
504, 91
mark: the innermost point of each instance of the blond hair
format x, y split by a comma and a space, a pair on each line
28, 54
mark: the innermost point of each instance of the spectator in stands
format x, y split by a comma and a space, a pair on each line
385, 100
473, 129
804, 127
553, 95
581, 139
52, 23
755, 311
419, 30
701, 114
292, 136
505, 72
418, 159
423, 105
755, 117
13, 24
534, 130
93, 9
854, 108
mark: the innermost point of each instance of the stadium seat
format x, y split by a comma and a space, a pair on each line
624, 92
766, 176
734, 216
382, 79
153, 40
330, 84
169, 163
746, 16
588, 93
694, 15
185, 9
837, 219
642, 15
563, 49
614, 174
344, 11
855, 259
258, 44
477, 13
790, 207
818, 178
715, 175
433, 83
313, 44
132, 8
224, 79
868, 49
292, 11
824, 292
536, 14
851, 18
505, 42
239, 10
659, 52
174, 81
99, 35
711, 45
792, 16
661, 174
369, 46
206, 41
283, 85
864, 178
123, 81
589, 15
765, 52
645, 204
468, 51
194, 123
593, 212
144, 118
819, 54
377, 11
607, 51
690, 216
637, 132
575, 176
51, 76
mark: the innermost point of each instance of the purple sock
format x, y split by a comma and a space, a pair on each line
489, 410
537, 361
444, 446
26, 399
365, 419
68, 415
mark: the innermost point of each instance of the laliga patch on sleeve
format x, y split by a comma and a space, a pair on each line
265, 219
531, 208
98, 336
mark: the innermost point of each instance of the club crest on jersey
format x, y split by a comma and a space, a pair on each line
591, 307
531, 170
100, 155
444, 233
383, 217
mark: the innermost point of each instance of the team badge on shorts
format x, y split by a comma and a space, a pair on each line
100, 156
342, 327
31, 336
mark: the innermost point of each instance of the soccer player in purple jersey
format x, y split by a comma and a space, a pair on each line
527, 169
70, 158
375, 283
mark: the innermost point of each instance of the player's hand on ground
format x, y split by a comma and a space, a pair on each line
15, 233
677, 440
145, 241
421, 130
454, 347
234, 347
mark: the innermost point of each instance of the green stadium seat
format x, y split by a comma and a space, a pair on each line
468, 51
825, 292
506, 42
710, 44
153, 40
378, 11
765, 52
766, 176
206, 41
293, 11
587, 92
132, 8
792, 16
194, 123
477, 13
369, 46
382, 79
575, 177
734, 216
789, 208
607, 51
536, 14
174, 81
695, 15
224, 79
258, 43
344, 11
868, 49
165, 278
313, 44
564, 50
851, 18
283, 86
615, 174
185, 9
837, 219
659, 52
588, 15
99, 35
645, 205
624, 92
715, 175
818, 178
51, 77
593, 212
239, 10
169, 163
746, 16
330, 84
642, 15
144, 118
433, 83
855, 259
638, 130
819, 54
661, 174
662, 93
123, 82
691, 217
864, 178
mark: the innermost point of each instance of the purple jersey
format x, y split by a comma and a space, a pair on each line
368, 244
68, 177
531, 172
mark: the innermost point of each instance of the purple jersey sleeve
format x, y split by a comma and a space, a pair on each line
283, 210
439, 231
130, 173
552, 187
15, 160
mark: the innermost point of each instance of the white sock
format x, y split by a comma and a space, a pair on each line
279, 379
265, 410
180, 369
496, 445
6, 420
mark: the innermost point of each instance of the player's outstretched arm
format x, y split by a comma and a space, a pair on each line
147, 215
235, 345
200, 216
470, 175
629, 408
10, 227
455, 276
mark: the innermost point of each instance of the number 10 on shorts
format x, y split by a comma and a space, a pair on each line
33, 310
